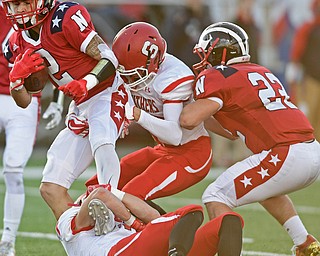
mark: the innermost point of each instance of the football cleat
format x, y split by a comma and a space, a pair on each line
311, 247
7, 249
103, 217
175, 252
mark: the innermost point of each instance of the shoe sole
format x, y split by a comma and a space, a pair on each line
100, 214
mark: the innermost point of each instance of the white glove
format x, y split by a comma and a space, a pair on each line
128, 108
54, 111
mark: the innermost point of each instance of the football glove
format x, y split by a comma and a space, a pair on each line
137, 225
26, 64
54, 111
76, 89
93, 187
78, 124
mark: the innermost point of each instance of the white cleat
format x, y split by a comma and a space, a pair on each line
103, 217
7, 249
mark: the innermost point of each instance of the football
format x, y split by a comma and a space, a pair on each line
36, 81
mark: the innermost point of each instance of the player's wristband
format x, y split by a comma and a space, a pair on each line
92, 81
17, 85
118, 193
130, 221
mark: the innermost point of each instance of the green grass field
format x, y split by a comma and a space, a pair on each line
263, 235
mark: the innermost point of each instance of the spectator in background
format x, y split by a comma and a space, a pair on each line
302, 73
286, 17
109, 19
244, 18
183, 26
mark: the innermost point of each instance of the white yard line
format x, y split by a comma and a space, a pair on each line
247, 253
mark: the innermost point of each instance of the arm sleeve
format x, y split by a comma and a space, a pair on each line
167, 130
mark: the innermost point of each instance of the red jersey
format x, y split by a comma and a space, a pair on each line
62, 42
6, 31
254, 106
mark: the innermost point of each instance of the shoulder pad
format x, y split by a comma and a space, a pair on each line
226, 71
58, 16
7, 51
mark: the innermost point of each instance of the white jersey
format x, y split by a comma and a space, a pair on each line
173, 83
85, 243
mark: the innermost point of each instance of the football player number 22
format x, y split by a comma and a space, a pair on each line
272, 95
271, 92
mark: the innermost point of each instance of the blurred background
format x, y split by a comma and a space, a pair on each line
270, 24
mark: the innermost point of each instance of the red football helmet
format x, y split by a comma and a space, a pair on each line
32, 13
140, 49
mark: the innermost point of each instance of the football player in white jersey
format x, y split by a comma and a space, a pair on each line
161, 85
90, 228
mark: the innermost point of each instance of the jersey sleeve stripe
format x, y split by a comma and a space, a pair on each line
87, 41
173, 101
176, 83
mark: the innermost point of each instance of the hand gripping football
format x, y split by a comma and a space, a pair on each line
36, 81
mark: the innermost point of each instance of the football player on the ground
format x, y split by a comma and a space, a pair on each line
122, 234
107, 221
251, 103
160, 85
82, 66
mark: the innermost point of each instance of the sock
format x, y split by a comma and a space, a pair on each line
206, 242
156, 206
230, 236
296, 230
13, 209
182, 234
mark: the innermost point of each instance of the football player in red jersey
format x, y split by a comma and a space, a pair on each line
82, 66
160, 86
251, 103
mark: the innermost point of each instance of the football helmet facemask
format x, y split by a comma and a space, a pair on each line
221, 43
140, 50
37, 11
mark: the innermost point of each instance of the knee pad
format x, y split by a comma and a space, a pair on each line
14, 182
